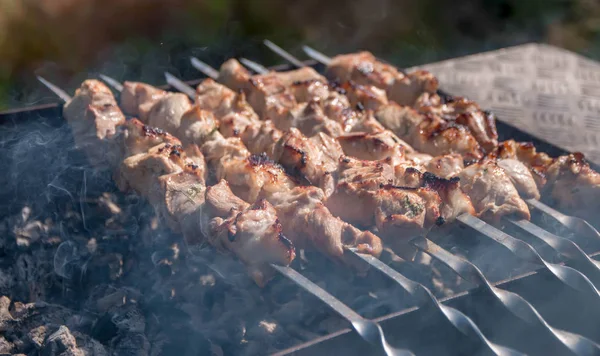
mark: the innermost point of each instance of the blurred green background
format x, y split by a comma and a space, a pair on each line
139, 39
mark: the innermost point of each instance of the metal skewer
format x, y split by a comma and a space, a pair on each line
258, 68
424, 297
459, 320
513, 302
367, 329
112, 82
575, 224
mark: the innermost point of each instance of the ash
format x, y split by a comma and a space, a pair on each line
86, 270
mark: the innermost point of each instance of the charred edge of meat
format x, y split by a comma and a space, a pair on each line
491, 122
305, 82
432, 181
445, 98
150, 131
360, 106
288, 244
440, 221
262, 159
392, 186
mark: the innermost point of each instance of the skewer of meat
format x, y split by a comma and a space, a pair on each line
493, 203
515, 170
238, 227
305, 219
156, 166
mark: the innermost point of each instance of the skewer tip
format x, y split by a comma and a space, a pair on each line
316, 55
204, 68
257, 67
180, 85
56, 90
112, 82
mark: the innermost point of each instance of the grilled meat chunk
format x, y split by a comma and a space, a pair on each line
311, 160
137, 138
461, 111
252, 232
221, 101
446, 166
574, 186
373, 146
307, 221
94, 116
364, 69
525, 152
166, 113
521, 177
492, 192
429, 133
367, 186
138, 98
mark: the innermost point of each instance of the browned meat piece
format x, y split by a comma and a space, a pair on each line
521, 177
308, 159
233, 75
167, 111
310, 119
363, 68
221, 101
429, 133
492, 192
446, 166
138, 98
365, 195
368, 123
373, 146
251, 232
138, 138
141, 171
94, 116
293, 77
261, 138
179, 198
306, 90
307, 221
574, 186
196, 126
482, 124
364, 96
525, 152
418, 158
407, 89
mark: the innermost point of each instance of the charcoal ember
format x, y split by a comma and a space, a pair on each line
89, 346
62, 343
6, 347
130, 344
37, 336
265, 334
6, 319
129, 318
29, 233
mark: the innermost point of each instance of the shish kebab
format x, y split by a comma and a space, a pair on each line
569, 180
395, 218
236, 76
154, 163
206, 122
454, 111
199, 122
561, 245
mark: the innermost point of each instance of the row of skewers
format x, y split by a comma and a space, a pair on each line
294, 160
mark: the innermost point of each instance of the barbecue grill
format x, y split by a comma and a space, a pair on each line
480, 316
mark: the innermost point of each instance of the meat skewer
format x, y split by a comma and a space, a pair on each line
501, 237
499, 294
155, 165
449, 165
395, 220
367, 329
572, 222
515, 206
425, 296
305, 218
